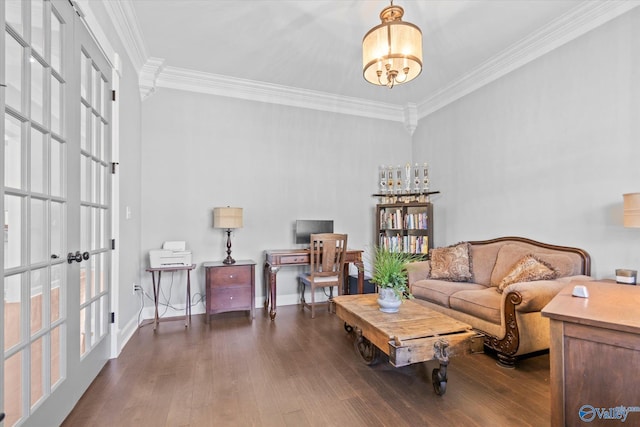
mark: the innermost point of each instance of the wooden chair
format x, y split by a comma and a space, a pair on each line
327, 267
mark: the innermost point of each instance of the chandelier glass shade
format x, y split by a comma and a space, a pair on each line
392, 51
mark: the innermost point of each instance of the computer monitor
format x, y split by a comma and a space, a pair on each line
306, 227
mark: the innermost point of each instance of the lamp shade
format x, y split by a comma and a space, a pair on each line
393, 49
227, 217
631, 210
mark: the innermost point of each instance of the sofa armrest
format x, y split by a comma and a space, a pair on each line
418, 270
537, 294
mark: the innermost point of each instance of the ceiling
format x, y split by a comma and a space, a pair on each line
315, 45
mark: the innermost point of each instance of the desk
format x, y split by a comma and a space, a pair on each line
274, 259
156, 290
594, 353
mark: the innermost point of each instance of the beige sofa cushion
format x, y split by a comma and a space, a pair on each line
510, 254
484, 258
482, 303
439, 291
451, 263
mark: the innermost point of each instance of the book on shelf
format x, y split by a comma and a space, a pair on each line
415, 221
410, 244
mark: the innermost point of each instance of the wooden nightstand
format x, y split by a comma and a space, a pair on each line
230, 287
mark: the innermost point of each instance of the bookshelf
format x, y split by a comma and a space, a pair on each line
405, 227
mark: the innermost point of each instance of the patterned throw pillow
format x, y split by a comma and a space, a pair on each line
528, 269
451, 263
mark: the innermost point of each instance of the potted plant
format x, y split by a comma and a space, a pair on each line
390, 275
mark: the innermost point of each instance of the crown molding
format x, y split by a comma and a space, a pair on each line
125, 22
585, 17
580, 20
149, 76
214, 84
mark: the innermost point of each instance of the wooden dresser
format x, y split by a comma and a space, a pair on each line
230, 287
595, 355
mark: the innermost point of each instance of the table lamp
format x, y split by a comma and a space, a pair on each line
631, 210
228, 218
631, 219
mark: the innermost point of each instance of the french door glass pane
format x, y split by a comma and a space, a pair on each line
85, 183
36, 374
13, 73
56, 105
95, 309
95, 129
56, 42
56, 292
37, 93
105, 309
37, 161
94, 181
13, 225
12, 152
85, 239
102, 239
38, 231
38, 279
83, 128
56, 167
92, 276
37, 27
103, 129
95, 89
95, 228
84, 69
13, 388
83, 327
13, 14
104, 97
102, 273
56, 228
56, 355
12, 310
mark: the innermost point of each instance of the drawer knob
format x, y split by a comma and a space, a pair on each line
230, 297
231, 276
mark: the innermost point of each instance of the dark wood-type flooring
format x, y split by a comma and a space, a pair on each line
296, 371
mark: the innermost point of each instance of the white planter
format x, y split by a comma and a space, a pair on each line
388, 300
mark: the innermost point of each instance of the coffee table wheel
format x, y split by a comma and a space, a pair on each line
439, 381
348, 327
367, 351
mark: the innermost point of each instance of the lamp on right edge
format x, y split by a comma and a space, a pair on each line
631, 216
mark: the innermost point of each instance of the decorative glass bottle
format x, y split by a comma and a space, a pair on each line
383, 179
425, 178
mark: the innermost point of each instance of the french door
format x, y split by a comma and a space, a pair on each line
56, 190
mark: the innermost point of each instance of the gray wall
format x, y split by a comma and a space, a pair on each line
278, 163
547, 151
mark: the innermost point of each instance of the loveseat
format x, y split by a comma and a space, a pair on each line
498, 287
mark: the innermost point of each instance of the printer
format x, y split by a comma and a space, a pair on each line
172, 254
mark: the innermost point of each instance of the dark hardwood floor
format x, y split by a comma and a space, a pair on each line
296, 371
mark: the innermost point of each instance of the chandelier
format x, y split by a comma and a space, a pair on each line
392, 51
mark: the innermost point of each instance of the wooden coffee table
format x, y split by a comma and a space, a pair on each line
412, 335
